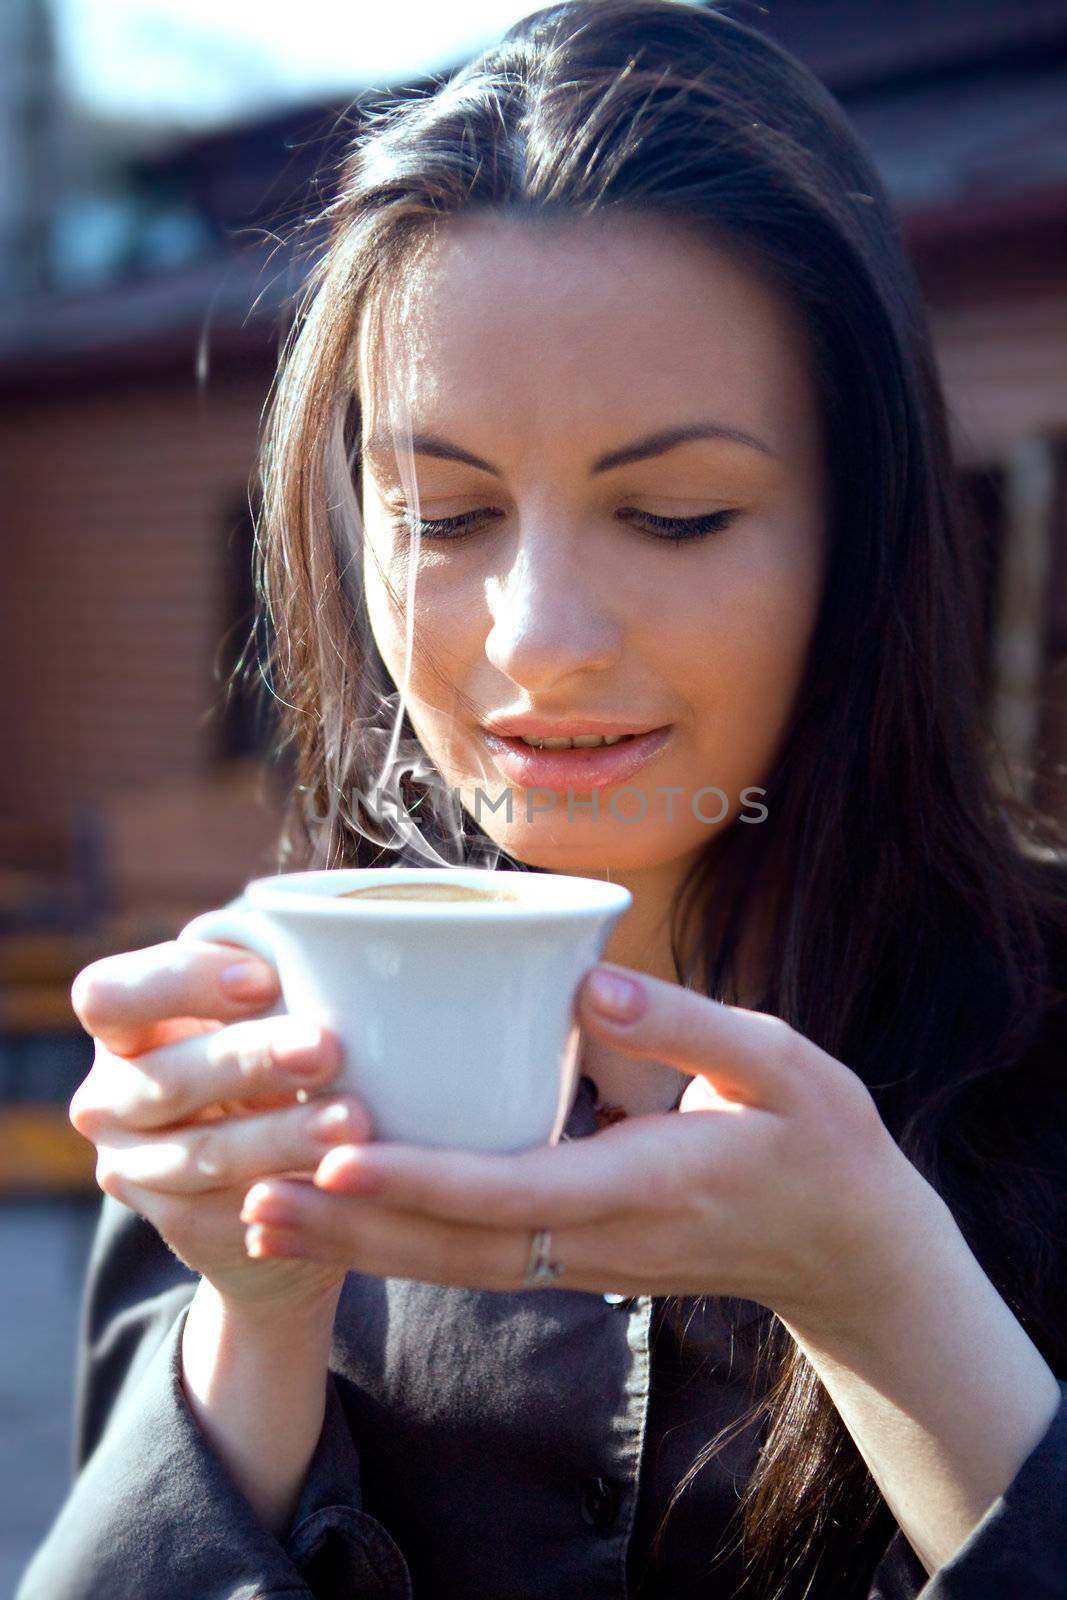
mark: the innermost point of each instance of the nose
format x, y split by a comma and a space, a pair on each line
552, 616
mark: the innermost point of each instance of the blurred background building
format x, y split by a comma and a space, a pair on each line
152, 154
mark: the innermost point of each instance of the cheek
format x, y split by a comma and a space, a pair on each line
743, 630
786, 608
386, 576
384, 619
447, 636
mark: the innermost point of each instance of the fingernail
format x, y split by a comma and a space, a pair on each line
257, 1196
255, 1241
346, 1168
615, 996
262, 1242
248, 980
333, 1124
261, 1204
296, 1038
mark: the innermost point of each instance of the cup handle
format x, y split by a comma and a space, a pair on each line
240, 924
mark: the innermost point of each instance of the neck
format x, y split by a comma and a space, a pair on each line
640, 940
641, 937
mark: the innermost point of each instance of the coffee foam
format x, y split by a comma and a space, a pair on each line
434, 893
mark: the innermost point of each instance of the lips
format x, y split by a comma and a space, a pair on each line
574, 727
579, 770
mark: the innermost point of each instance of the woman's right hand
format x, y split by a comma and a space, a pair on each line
192, 1097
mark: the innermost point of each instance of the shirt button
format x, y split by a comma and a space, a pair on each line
600, 1504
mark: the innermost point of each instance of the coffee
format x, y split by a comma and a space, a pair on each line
432, 892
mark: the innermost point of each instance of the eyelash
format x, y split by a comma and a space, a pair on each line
448, 528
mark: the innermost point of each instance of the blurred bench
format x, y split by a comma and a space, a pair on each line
133, 869
41, 1153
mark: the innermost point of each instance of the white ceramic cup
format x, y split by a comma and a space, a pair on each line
456, 1018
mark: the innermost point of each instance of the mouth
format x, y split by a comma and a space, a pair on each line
585, 741
582, 764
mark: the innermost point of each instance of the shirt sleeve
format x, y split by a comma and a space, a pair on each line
152, 1509
1018, 1547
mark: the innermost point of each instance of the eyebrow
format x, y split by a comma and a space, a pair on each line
650, 444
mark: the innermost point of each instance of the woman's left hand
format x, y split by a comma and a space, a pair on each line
776, 1181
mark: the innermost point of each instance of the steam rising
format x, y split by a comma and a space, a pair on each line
406, 806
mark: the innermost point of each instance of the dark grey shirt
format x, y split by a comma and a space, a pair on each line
509, 1446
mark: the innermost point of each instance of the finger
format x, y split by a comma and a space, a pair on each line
642, 1164
122, 999
243, 1061
746, 1055
220, 1155
365, 1237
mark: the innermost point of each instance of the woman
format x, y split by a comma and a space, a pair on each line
610, 409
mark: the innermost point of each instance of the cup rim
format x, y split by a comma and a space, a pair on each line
282, 893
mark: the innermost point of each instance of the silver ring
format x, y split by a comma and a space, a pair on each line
539, 1268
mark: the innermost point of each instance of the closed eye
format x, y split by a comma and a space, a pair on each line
672, 530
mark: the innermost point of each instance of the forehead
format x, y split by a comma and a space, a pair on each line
565, 319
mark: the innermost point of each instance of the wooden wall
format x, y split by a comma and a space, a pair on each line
120, 504
1004, 365
999, 319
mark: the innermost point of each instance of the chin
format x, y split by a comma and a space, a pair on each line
585, 851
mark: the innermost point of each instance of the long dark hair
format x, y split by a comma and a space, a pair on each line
919, 915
